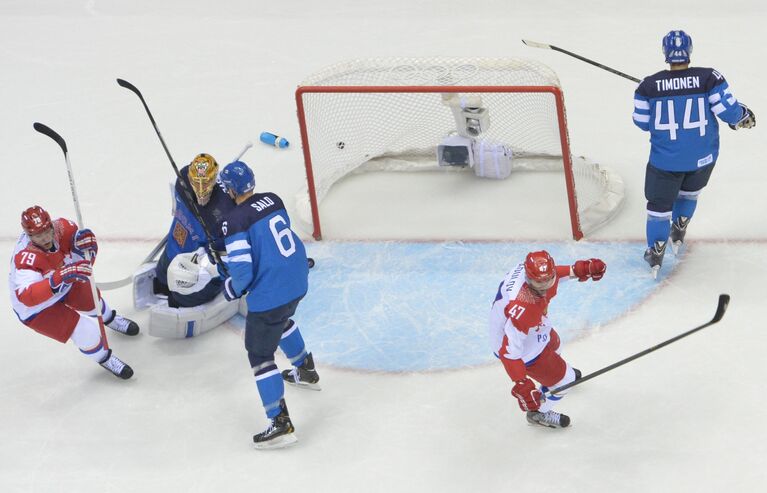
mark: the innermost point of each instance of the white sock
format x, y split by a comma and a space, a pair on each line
87, 337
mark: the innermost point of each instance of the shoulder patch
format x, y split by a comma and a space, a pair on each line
180, 233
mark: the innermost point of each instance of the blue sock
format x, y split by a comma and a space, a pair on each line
685, 205
271, 388
658, 228
292, 344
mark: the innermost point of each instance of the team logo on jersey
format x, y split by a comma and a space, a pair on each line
180, 234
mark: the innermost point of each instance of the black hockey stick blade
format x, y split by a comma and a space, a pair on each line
721, 308
535, 44
724, 302
124, 83
46, 130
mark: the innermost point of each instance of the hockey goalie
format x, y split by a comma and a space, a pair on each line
183, 289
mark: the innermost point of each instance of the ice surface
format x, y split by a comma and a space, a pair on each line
686, 418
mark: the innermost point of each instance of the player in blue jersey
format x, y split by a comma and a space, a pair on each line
679, 107
187, 235
267, 263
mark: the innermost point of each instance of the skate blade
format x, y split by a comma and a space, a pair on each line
544, 425
654, 272
279, 442
676, 247
304, 385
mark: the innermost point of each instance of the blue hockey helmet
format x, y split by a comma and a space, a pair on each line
677, 46
237, 177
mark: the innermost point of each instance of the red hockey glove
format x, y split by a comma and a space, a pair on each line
76, 272
589, 269
84, 240
527, 395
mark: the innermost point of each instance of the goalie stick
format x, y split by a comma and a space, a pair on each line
545, 46
43, 129
724, 300
187, 192
106, 286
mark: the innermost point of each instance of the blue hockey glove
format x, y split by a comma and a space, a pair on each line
747, 120
229, 293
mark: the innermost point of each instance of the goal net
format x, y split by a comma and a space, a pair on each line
392, 114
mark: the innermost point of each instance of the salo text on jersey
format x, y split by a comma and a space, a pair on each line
262, 204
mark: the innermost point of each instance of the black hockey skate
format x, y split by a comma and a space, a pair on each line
678, 230
121, 324
549, 419
280, 432
116, 366
303, 376
654, 257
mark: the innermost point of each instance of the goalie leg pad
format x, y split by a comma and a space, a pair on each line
179, 323
143, 286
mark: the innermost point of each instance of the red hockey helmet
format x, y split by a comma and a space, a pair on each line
540, 270
35, 220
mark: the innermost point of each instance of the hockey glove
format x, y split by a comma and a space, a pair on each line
592, 269
229, 293
528, 397
747, 119
85, 241
76, 272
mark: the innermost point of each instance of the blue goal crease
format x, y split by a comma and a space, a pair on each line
409, 307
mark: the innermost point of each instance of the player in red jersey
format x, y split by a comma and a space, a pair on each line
49, 286
522, 335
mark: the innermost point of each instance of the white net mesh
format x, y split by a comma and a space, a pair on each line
401, 130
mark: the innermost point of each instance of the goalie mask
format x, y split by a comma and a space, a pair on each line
187, 273
203, 171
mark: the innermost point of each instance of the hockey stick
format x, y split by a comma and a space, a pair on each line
107, 286
187, 192
244, 150
724, 300
545, 46
91, 282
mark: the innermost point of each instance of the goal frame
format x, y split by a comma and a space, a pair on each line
555, 91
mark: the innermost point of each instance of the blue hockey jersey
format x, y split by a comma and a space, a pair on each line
186, 234
265, 258
679, 109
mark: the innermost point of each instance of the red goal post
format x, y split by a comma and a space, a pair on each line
363, 110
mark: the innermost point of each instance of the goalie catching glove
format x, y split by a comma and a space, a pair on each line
747, 119
592, 269
528, 397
